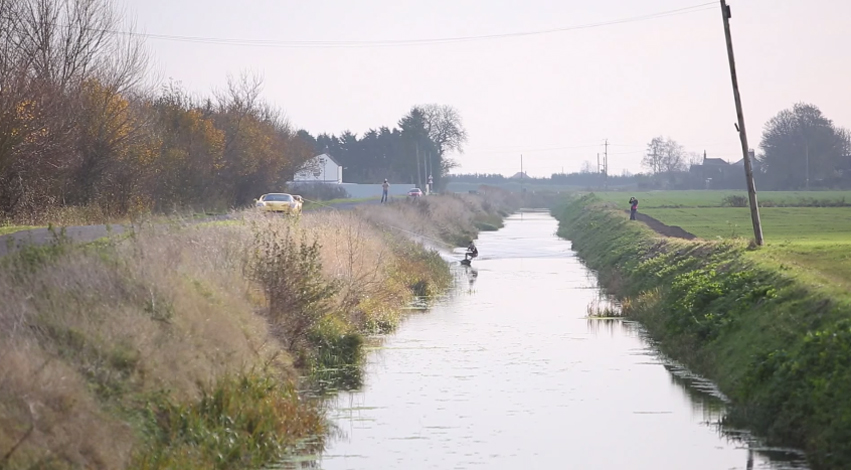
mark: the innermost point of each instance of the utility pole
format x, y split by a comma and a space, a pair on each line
808, 165
426, 172
417, 146
743, 136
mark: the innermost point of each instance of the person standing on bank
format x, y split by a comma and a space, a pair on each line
385, 188
633, 208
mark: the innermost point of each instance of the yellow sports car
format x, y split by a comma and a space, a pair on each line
279, 202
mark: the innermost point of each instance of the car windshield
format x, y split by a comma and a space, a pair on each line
278, 197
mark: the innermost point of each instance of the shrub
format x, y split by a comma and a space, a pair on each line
289, 270
735, 201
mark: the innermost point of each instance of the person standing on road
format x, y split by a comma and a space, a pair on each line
385, 189
633, 208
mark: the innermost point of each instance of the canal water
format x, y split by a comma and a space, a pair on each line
508, 372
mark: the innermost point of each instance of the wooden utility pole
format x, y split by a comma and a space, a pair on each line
417, 147
743, 136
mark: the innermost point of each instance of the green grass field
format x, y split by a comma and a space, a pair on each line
814, 241
779, 224
809, 242
672, 199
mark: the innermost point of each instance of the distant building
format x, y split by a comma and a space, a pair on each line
712, 171
320, 169
714, 162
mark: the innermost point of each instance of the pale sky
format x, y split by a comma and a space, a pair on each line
552, 97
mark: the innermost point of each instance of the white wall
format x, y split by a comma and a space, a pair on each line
320, 169
358, 191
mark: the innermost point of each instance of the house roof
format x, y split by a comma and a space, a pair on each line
714, 161
329, 157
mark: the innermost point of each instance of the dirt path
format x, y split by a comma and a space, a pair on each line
662, 229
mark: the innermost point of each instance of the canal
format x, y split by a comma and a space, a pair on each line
509, 372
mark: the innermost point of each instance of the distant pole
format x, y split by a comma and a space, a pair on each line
743, 136
808, 166
425, 172
417, 147
428, 172
606, 166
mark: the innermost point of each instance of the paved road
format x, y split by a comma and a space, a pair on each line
88, 233
42, 236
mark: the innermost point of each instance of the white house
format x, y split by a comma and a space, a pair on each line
320, 169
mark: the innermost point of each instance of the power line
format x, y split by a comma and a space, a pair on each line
545, 149
397, 42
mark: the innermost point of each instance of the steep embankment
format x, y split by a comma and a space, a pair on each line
181, 346
778, 346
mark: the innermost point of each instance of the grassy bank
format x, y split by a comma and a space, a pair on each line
776, 339
184, 346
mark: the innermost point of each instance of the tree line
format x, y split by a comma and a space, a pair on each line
417, 148
800, 149
79, 126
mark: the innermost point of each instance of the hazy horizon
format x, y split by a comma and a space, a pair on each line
552, 97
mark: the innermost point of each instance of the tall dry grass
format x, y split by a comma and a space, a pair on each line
167, 309
112, 352
444, 220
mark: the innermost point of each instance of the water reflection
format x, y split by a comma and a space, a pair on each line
708, 404
472, 275
509, 372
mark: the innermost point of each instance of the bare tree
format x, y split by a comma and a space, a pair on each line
51, 53
694, 158
444, 127
664, 156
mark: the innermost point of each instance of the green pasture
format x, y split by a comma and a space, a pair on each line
810, 242
779, 224
697, 198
